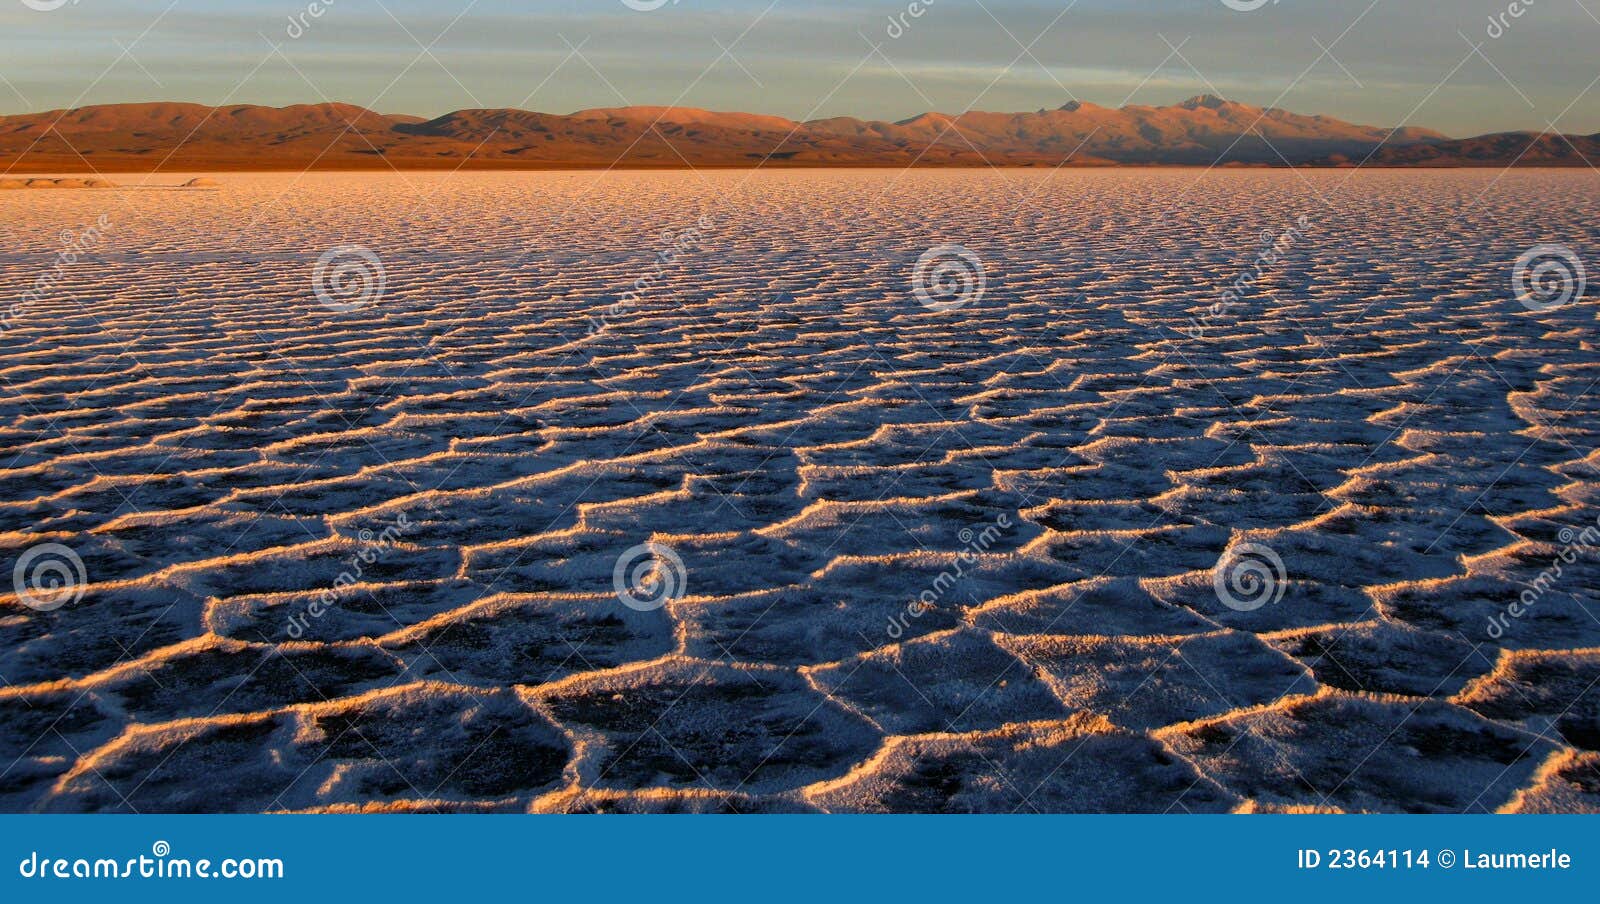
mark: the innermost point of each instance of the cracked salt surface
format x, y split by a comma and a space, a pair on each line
818, 448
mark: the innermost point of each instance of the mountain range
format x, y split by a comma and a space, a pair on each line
1201, 131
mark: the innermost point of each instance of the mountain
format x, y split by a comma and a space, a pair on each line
138, 137
123, 137
655, 136
1499, 150
1204, 130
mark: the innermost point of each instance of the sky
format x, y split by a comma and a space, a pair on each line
1463, 67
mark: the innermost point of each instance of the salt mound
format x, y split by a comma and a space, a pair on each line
55, 183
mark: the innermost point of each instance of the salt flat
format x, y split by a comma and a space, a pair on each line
683, 491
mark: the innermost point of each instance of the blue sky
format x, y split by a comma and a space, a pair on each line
1387, 61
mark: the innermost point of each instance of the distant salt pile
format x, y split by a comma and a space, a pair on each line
81, 182
55, 183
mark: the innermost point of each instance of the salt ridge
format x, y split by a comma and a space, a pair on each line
780, 411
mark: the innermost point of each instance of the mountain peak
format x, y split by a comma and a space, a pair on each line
1208, 101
